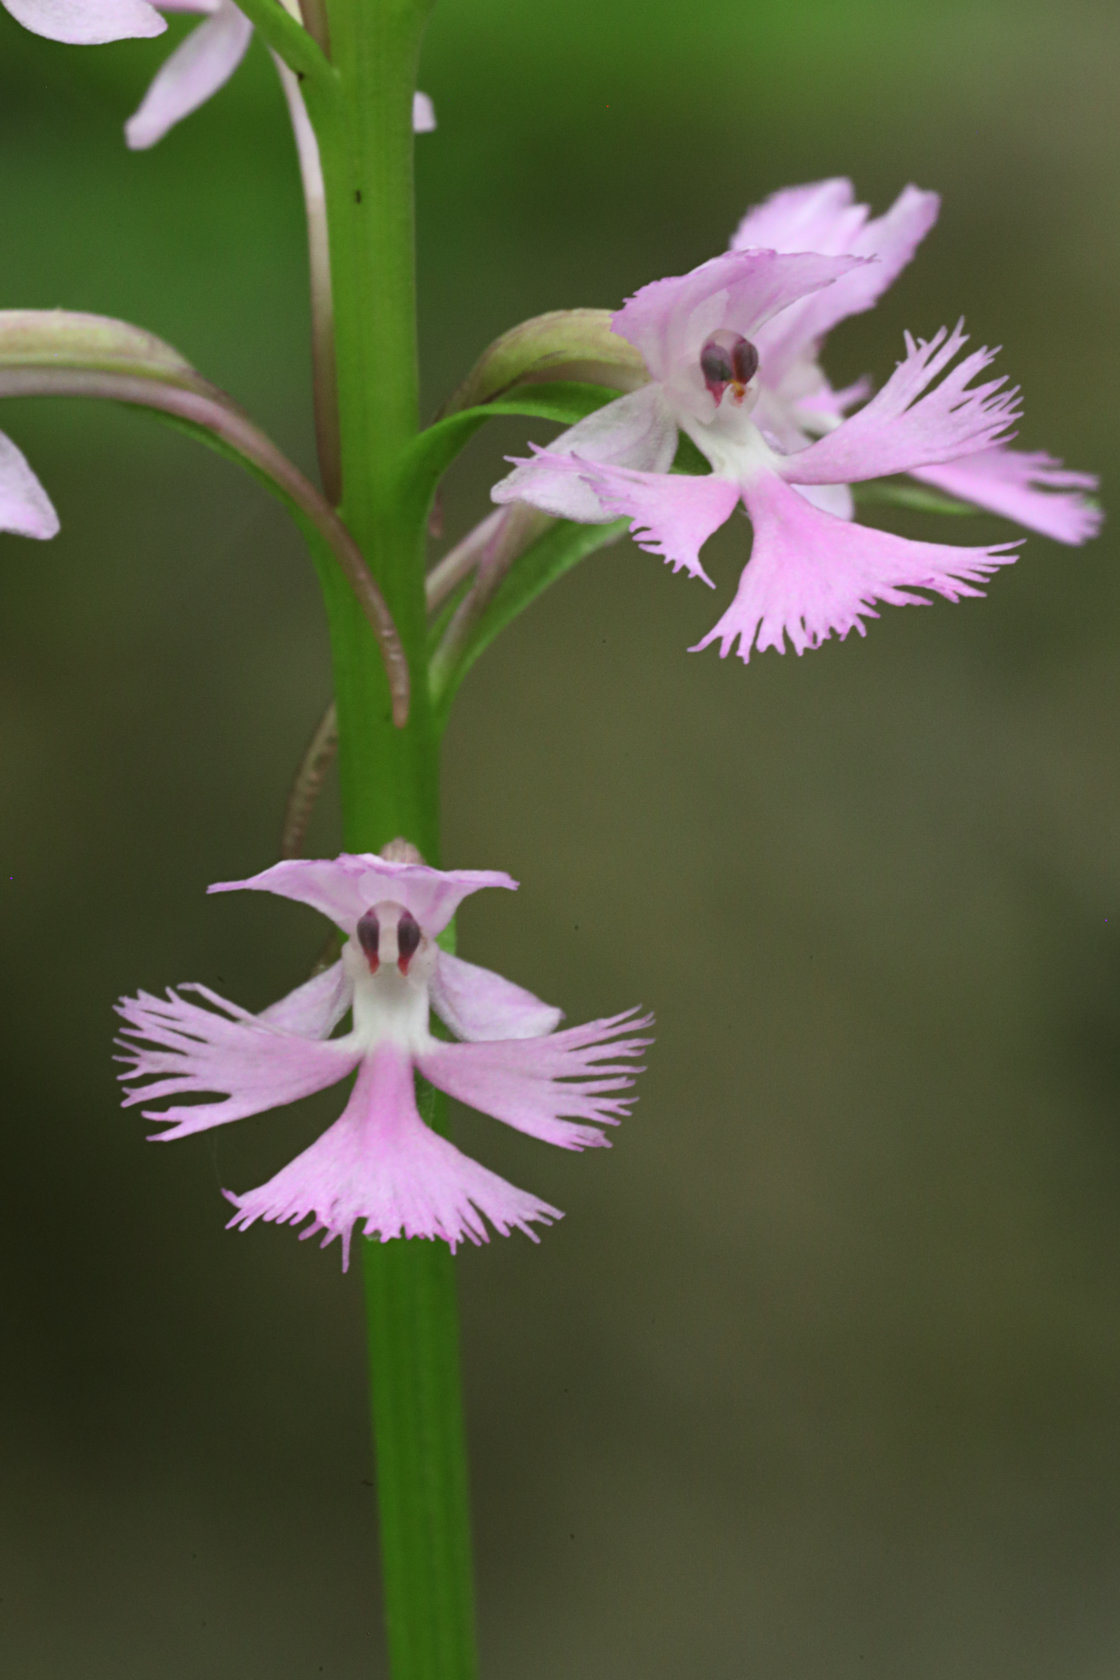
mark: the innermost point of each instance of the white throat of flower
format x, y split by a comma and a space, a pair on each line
727, 434
390, 961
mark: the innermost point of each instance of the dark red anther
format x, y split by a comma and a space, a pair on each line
715, 365
369, 938
744, 361
728, 358
408, 939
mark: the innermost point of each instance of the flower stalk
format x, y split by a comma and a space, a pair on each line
388, 781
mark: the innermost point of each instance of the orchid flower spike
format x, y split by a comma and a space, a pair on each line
732, 350
87, 22
379, 1163
202, 64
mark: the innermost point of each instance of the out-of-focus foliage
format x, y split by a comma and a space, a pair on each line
819, 1377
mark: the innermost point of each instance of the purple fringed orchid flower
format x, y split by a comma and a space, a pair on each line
731, 350
379, 1163
202, 64
87, 22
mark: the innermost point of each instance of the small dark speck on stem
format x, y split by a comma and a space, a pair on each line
357, 195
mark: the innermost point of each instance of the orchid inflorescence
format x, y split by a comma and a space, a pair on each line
706, 393
703, 394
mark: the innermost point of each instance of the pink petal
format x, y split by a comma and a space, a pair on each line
669, 320
836, 499
906, 425
524, 1081
345, 887
25, 507
633, 431
314, 1009
87, 22
200, 1050
822, 217
478, 1004
380, 1164
673, 514
423, 114
197, 68
812, 576
1032, 488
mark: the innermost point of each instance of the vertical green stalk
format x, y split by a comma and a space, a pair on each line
389, 785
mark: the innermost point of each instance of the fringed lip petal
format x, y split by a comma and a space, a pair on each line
184, 1049
1031, 487
344, 888
672, 514
549, 1087
25, 507
379, 1165
636, 430
812, 576
907, 424
88, 23
198, 67
478, 1004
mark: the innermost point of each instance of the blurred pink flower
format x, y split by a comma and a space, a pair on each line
25, 507
379, 1163
731, 349
87, 22
203, 63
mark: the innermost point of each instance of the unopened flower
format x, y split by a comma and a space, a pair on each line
25, 507
87, 22
731, 351
379, 1164
203, 63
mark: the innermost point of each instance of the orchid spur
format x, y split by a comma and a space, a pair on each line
731, 350
379, 1163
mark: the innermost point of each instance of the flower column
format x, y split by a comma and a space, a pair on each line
389, 787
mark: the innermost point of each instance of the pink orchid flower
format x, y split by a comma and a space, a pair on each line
87, 22
25, 507
731, 351
379, 1163
202, 64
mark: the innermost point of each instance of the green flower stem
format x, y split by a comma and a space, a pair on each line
389, 786
287, 36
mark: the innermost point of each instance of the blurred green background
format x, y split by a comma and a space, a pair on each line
818, 1380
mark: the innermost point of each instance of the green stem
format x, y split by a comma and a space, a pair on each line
389, 779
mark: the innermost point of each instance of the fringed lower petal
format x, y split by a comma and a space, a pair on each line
379, 1165
185, 1049
812, 576
534, 1083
